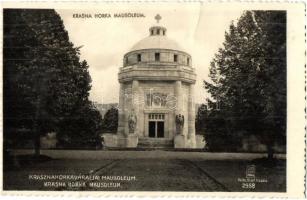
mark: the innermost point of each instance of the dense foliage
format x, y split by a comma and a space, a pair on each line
110, 121
248, 78
46, 86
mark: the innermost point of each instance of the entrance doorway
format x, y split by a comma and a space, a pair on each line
156, 125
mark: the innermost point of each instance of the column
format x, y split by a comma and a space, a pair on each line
178, 94
191, 117
179, 105
135, 102
121, 111
179, 140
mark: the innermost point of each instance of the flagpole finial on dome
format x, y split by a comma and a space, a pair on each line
158, 18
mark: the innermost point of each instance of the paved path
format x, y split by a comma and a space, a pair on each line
161, 175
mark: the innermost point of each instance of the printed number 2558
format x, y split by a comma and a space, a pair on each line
248, 185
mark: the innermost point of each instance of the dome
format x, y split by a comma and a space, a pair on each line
156, 42
157, 49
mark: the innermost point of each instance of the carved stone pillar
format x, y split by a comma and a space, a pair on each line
191, 117
134, 92
178, 94
121, 111
135, 102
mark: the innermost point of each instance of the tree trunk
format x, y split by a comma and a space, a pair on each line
36, 139
270, 144
37, 146
36, 129
270, 152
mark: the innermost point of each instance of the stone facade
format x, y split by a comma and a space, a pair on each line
156, 86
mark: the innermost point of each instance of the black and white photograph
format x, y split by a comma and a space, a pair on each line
143, 98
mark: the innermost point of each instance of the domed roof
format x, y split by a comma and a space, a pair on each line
157, 42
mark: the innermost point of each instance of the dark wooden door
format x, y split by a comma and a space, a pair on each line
152, 129
160, 129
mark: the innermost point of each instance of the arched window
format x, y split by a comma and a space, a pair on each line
139, 57
158, 31
188, 61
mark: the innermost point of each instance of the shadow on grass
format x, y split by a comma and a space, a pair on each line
265, 162
12, 162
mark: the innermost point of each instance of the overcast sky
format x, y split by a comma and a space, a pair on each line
198, 29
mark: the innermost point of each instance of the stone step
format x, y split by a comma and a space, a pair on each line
155, 143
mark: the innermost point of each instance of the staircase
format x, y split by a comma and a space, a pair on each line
155, 143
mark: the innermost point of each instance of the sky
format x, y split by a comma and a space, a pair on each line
197, 28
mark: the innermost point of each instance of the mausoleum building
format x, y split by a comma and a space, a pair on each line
156, 97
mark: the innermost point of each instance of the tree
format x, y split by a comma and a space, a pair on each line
216, 130
110, 120
248, 76
82, 128
201, 116
45, 82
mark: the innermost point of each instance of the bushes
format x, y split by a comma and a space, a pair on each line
222, 142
